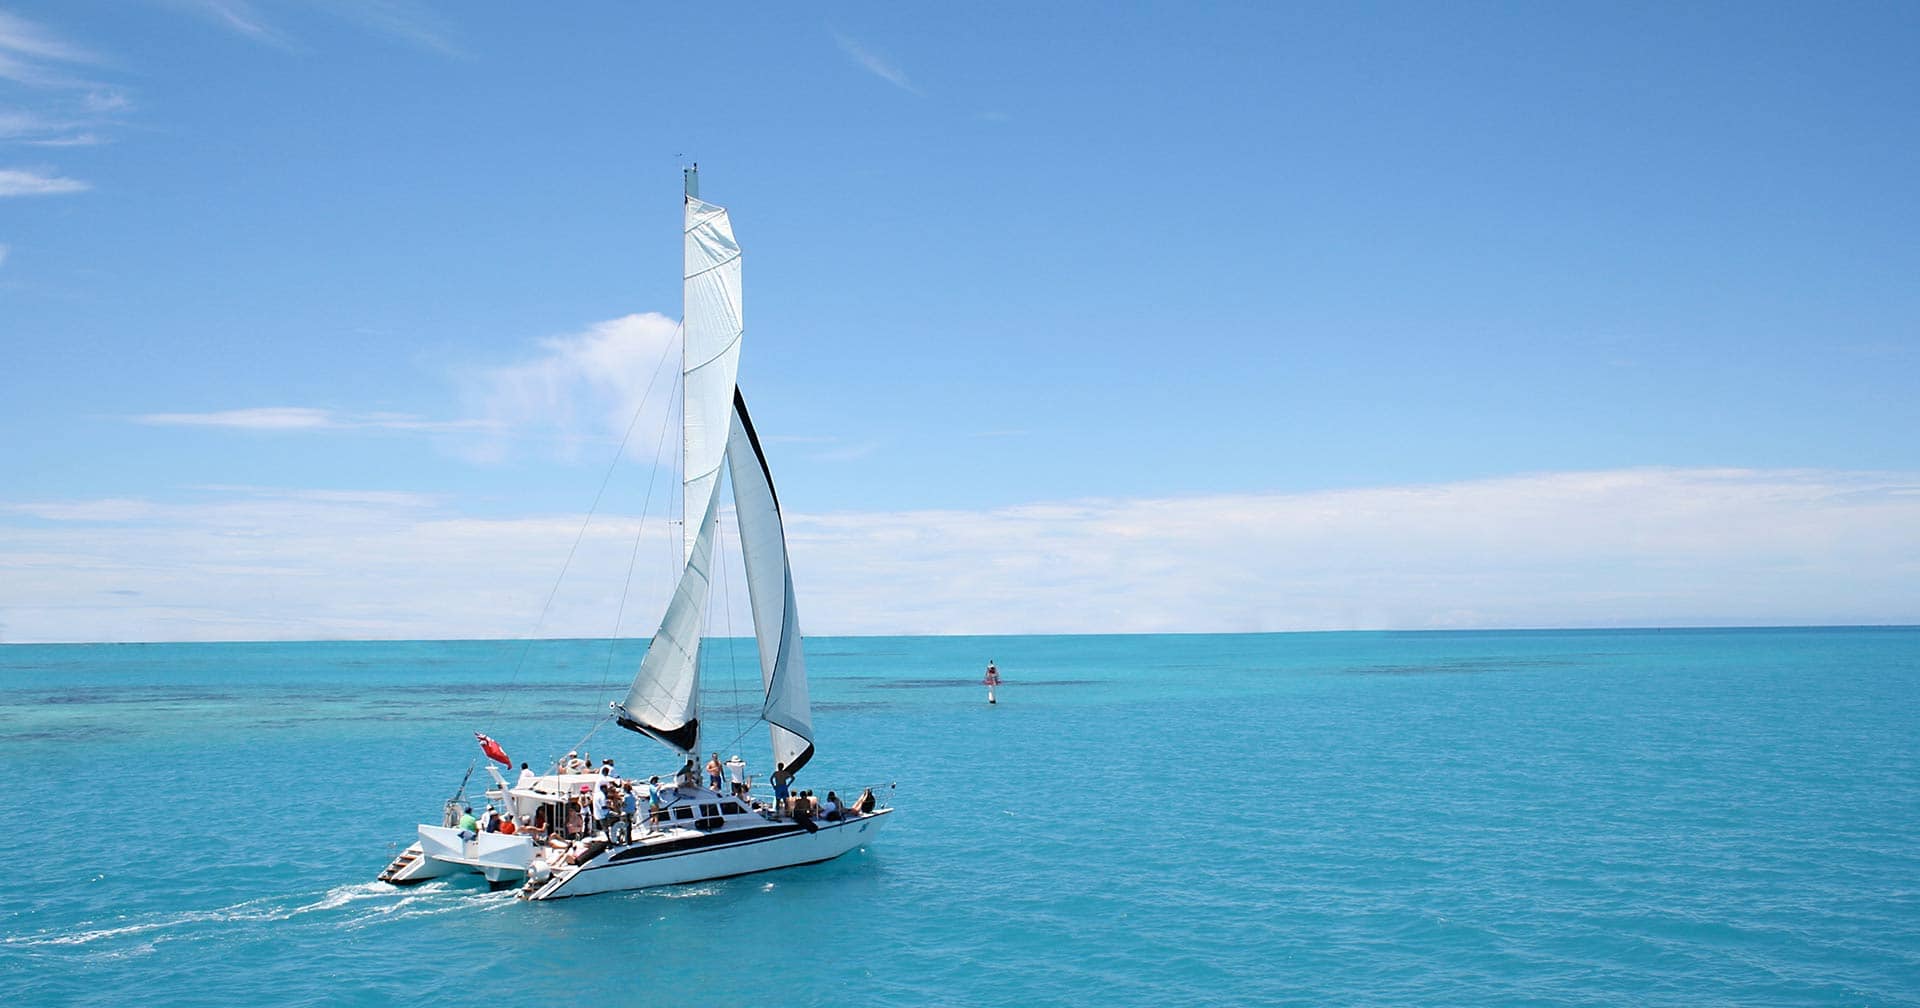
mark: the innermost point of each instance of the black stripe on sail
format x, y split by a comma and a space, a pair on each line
746, 424
800, 760
787, 629
685, 738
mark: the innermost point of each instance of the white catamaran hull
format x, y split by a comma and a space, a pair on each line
694, 857
502, 858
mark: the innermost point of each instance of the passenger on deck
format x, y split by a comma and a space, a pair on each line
864, 804
489, 820
713, 773
597, 795
606, 768
688, 776
576, 819
831, 810
653, 800
506, 827
526, 777
467, 824
737, 776
804, 815
782, 780
630, 806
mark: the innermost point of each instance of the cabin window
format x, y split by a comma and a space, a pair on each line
683, 812
731, 809
709, 811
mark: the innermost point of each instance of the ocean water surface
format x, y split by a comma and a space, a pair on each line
1515, 818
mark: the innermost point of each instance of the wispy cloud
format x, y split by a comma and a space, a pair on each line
305, 418
589, 387
22, 182
70, 140
237, 16
875, 64
32, 55
1638, 547
411, 23
61, 105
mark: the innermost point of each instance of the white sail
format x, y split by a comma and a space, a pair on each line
665, 698
664, 701
776, 621
710, 359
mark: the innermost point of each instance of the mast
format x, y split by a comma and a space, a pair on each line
690, 177
664, 701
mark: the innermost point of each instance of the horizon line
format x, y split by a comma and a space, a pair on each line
1690, 628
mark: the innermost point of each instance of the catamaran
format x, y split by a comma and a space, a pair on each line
565, 840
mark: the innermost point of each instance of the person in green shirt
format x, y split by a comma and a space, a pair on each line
468, 824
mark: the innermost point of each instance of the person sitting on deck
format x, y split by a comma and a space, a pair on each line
506, 827
467, 824
831, 810
803, 815
687, 777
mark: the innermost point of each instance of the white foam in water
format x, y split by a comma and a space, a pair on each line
264, 908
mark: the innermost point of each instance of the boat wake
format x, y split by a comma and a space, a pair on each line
389, 904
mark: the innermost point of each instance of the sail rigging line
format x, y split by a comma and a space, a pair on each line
606, 478
633, 558
726, 609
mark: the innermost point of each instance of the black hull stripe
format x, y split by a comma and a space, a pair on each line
725, 845
701, 842
714, 878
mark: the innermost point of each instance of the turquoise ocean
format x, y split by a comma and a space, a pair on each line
1677, 817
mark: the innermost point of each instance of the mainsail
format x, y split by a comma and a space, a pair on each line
776, 622
664, 700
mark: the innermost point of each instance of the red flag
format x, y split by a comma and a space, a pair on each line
493, 750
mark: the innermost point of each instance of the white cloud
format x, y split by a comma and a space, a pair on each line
261, 418
875, 65
306, 418
17, 182
1641, 547
589, 386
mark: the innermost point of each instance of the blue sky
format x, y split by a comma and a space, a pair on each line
323, 320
